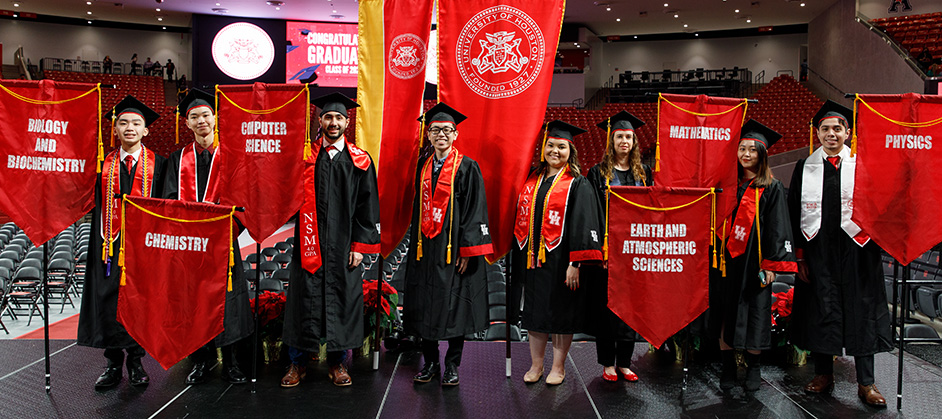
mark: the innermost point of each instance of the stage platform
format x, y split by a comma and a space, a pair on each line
484, 391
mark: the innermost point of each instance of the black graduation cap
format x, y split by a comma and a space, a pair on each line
443, 113
560, 129
754, 130
832, 109
132, 105
334, 102
194, 98
621, 120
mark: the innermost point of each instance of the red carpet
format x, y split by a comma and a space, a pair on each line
66, 328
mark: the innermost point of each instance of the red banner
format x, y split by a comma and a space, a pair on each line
496, 67
52, 146
659, 240
697, 141
176, 257
899, 151
262, 132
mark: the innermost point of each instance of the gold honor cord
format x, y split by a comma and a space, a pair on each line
125, 201
418, 247
541, 252
608, 186
96, 89
451, 220
900, 123
758, 230
711, 193
660, 97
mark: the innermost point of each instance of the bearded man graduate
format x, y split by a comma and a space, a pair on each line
840, 300
446, 278
338, 223
137, 171
193, 174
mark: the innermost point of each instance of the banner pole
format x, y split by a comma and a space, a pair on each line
683, 388
258, 253
380, 280
45, 295
902, 331
508, 292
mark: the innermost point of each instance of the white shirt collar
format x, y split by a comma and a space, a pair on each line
135, 154
339, 144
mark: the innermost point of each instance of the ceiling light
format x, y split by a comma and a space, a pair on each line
636, 36
16, 5
802, 5
608, 9
217, 4
618, 20
737, 10
335, 11
89, 22
676, 16
160, 19
576, 44
88, 13
748, 20
88, 3
685, 25
696, 34
158, 9
665, 4
165, 28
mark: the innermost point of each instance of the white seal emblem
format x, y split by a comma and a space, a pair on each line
500, 52
407, 56
243, 51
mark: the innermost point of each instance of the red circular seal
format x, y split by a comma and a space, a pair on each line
407, 55
500, 52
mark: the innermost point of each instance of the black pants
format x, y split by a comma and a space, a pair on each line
207, 354
116, 356
824, 365
452, 355
610, 352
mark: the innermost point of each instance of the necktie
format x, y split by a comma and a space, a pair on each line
331, 151
129, 163
206, 156
834, 160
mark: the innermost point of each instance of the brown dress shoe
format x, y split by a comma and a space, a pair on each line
820, 384
870, 395
294, 376
338, 374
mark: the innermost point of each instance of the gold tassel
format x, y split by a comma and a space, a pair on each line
605, 247
176, 127
104, 250
112, 127
124, 275
545, 132
657, 145
542, 253
231, 253
811, 138
853, 140
418, 248
216, 125
448, 255
713, 223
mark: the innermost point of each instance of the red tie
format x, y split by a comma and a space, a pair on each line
129, 163
834, 160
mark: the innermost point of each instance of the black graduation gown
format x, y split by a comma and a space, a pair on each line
98, 319
603, 323
738, 301
844, 305
443, 304
549, 305
328, 305
238, 320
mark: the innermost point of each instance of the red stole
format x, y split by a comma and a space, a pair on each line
553, 215
741, 227
310, 244
141, 185
186, 178
435, 201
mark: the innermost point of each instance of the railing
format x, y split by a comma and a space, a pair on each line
760, 78
86, 66
826, 81
21, 64
904, 54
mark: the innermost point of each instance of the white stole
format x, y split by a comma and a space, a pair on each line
812, 186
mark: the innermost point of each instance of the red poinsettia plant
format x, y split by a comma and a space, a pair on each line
387, 303
782, 308
271, 310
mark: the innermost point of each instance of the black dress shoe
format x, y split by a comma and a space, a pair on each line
137, 376
110, 378
429, 371
199, 373
450, 376
233, 375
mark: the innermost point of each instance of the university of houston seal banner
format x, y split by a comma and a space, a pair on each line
51, 144
393, 51
658, 258
496, 66
899, 161
176, 257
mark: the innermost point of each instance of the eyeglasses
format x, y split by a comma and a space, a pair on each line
436, 130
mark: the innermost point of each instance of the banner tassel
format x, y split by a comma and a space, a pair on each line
713, 223
811, 138
101, 147
657, 144
723, 250
216, 125
231, 253
853, 140
176, 127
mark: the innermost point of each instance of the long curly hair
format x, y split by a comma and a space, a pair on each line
634, 160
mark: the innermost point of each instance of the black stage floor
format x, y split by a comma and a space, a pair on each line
484, 391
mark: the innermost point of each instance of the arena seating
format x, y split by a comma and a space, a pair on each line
914, 32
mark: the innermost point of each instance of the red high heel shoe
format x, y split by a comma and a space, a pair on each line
629, 376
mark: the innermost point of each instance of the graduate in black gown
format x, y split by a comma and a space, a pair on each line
840, 300
446, 279
338, 223
758, 247
193, 174
135, 170
557, 229
620, 166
